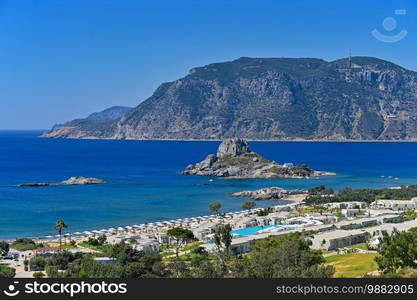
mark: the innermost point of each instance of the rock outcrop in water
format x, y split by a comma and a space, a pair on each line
78, 180
362, 98
235, 160
271, 193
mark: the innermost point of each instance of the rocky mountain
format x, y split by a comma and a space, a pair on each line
362, 98
235, 160
112, 113
96, 124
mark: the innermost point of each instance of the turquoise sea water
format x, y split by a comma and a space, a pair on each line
144, 183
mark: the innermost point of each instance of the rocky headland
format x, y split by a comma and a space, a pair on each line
270, 193
78, 180
234, 159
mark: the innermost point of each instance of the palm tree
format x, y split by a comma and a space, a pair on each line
59, 226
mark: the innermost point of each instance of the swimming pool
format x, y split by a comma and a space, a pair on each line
256, 229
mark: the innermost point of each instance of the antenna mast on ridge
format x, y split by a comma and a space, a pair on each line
348, 74
350, 57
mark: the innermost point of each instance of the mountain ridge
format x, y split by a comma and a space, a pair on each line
358, 98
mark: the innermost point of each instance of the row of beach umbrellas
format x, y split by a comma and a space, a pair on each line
152, 225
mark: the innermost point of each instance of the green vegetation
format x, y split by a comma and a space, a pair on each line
397, 251
97, 244
99, 241
355, 226
24, 244
288, 256
265, 211
4, 248
244, 159
352, 264
248, 205
320, 194
60, 226
181, 236
129, 263
99, 248
7, 272
269, 258
409, 215
38, 275
363, 246
215, 207
301, 170
320, 190
192, 247
60, 260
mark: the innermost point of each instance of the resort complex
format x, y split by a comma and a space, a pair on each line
332, 227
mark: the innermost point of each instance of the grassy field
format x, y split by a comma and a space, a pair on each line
362, 246
352, 264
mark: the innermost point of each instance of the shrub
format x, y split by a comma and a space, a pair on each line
23, 244
38, 275
7, 272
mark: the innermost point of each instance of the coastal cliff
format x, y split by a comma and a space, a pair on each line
361, 98
235, 160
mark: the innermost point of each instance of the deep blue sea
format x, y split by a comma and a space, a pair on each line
144, 183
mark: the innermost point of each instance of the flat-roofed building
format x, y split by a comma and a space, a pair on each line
394, 204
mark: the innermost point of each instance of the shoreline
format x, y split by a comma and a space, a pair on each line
248, 139
298, 140
290, 200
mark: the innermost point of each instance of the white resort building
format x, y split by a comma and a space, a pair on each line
394, 204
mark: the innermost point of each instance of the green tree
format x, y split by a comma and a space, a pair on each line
60, 226
181, 236
4, 248
38, 275
23, 244
248, 205
215, 207
288, 256
124, 253
223, 241
7, 272
396, 251
223, 238
52, 271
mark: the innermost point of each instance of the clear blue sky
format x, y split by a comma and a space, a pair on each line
65, 59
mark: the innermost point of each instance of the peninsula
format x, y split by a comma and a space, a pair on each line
234, 159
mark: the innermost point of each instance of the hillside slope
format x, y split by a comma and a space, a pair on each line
363, 98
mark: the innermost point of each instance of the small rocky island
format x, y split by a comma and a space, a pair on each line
271, 193
235, 160
78, 180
